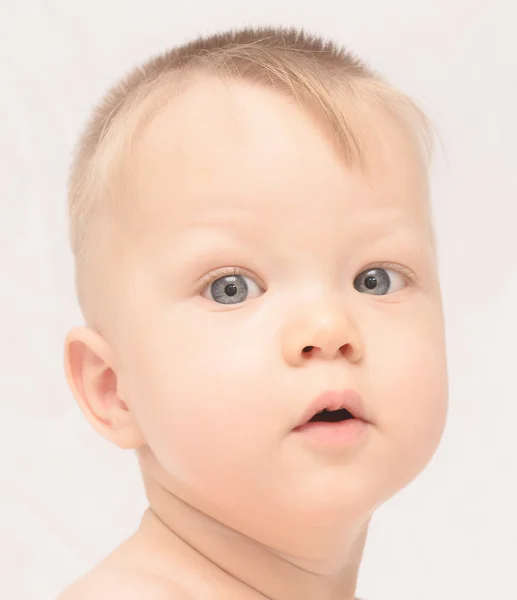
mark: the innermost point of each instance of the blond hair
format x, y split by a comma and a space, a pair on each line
317, 72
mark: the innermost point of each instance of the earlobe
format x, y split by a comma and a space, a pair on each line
92, 376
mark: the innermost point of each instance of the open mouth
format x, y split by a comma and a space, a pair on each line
333, 408
332, 416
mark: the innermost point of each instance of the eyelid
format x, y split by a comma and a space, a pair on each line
405, 271
222, 272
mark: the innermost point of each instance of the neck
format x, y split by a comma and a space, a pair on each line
243, 568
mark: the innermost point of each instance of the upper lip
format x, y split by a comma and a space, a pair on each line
335, 400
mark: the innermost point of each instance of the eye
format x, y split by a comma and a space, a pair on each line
379, 281
233, 287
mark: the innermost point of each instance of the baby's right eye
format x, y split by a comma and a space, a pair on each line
230, 288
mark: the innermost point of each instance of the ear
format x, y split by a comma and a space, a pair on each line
91, 374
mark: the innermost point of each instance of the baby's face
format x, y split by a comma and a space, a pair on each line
248, 239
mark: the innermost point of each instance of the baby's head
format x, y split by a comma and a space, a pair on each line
251, 227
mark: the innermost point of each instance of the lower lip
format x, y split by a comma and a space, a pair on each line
342, 433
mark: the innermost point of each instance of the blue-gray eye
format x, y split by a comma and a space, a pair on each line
231, 289
379, 282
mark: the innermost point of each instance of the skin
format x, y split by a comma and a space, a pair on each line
208, 393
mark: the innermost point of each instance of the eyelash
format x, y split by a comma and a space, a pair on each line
208, 279
404, 271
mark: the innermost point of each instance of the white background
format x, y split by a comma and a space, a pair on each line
66, 496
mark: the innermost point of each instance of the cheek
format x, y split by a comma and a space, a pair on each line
411, 394
200, 413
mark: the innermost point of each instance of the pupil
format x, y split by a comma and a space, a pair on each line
371, 282
231, 289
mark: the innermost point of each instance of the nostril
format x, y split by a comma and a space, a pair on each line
307, 348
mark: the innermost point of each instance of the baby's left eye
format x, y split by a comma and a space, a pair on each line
379, 282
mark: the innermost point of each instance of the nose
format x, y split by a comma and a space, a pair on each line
323, 331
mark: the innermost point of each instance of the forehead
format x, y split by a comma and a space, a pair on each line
223, 151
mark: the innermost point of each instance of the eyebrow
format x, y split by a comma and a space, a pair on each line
216, 222
382, 230
236, 231
191, 244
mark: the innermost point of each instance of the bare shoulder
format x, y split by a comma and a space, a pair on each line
130, 584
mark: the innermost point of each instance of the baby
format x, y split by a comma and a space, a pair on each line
256, 266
